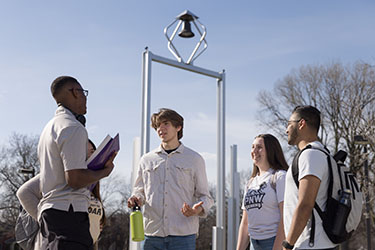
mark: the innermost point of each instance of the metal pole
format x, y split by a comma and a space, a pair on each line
220, 188
219, 230
222, 121
367, 215
232, 201
188, 67
136, 157
146, 100
217, 236
236, 197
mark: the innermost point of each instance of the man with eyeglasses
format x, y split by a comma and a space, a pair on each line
299, 216
64, 177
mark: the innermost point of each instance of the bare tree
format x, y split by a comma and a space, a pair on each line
115, 191
204, 240
20, 153
345, 95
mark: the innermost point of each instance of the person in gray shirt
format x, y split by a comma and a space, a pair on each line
64, 177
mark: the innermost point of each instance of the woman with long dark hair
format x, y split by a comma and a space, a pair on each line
96, 210
262, 219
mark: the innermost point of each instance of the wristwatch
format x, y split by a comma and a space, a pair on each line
286, 245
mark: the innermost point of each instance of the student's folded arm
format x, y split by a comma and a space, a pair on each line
79, 178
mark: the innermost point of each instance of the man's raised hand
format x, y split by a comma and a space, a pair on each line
195, 210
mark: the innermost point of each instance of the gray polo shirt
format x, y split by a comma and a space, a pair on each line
62, 147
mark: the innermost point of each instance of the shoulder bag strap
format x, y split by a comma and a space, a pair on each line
273, 180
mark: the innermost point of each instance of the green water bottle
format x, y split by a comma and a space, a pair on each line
136, 224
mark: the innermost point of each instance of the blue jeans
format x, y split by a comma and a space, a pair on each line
266, 244
169, 243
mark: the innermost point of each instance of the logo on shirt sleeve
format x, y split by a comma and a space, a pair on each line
254, 197
95, 210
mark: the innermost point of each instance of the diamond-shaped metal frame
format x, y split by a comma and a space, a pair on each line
202, 32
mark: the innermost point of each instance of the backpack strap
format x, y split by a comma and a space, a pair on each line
295, 168
312, 232
273, 180
249, 182
295, 173
340, 156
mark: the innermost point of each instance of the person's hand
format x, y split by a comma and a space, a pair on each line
132, 200
108, 166
195, 210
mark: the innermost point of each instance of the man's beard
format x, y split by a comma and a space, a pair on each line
292, 138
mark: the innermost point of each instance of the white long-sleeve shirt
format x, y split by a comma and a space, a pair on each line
29, 195
164, 182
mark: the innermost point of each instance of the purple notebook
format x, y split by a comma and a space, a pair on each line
103, 152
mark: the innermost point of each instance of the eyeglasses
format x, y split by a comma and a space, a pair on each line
290, 121
84, 91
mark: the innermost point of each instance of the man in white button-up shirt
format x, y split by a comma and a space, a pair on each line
172, 185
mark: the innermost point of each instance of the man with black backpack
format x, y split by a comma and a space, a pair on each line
303, 225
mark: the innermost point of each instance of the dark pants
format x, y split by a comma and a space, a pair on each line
65, 230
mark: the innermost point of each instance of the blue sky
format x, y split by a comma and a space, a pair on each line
101, 44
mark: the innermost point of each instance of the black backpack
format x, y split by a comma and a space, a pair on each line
340, 178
